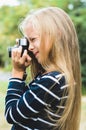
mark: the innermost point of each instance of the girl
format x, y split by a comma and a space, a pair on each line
52, 100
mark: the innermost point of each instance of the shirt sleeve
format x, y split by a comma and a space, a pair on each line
23, 103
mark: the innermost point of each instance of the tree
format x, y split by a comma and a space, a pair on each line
9, 21
78, 15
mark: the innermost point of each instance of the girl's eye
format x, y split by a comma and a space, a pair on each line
32, 39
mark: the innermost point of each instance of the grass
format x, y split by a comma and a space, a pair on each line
5, 126
83, 114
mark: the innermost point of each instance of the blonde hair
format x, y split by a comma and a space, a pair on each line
62, 55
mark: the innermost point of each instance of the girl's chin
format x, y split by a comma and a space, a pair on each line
38, 58
38, 61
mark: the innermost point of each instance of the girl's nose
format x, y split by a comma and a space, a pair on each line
31, 47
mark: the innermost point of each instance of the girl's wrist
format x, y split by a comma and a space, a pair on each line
17, 74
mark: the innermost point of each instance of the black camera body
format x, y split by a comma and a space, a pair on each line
20, 42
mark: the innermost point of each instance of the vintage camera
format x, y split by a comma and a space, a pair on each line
20, 42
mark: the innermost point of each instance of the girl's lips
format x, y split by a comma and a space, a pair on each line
36, 53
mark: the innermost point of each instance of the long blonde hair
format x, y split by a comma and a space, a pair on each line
62, 55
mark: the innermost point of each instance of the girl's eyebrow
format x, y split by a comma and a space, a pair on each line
32, 37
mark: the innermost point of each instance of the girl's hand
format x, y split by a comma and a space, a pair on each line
20, 63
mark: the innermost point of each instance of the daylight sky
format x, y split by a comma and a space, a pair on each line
9, 2
15, 2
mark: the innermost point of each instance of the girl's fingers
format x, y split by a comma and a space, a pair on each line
19, 51
16, 52
25, 59
28, 62
20, 62
13, 53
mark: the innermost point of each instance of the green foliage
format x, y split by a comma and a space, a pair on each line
9, 21
79, 17
83, 90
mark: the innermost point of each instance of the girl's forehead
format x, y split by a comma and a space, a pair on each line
30, 30
32, 26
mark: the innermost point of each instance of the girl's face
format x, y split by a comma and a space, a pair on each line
34, 41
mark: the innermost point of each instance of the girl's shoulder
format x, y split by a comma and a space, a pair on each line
53, 76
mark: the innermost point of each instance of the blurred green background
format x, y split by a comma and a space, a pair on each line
10, 17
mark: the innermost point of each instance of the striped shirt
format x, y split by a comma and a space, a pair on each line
27, 108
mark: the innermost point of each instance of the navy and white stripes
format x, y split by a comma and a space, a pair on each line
27, 107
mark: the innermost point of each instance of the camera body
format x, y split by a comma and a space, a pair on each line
20, 42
